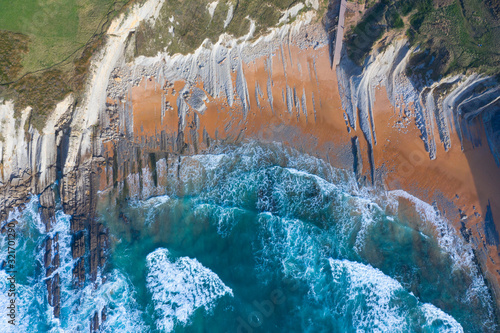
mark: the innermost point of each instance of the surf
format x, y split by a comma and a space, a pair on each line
260, 237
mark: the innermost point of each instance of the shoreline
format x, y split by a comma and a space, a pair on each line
417, 145
292, 97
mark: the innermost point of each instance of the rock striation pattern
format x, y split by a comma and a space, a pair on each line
451, 105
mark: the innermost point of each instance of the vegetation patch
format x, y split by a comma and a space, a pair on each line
41, 92
56, 28
454, 35
12, 48
360, 40
466, 30
184, 24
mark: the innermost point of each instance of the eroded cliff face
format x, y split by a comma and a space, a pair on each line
436, 140
439, 108
29, 158
62, 161
29, 163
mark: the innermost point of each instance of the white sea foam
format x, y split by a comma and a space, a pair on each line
28, 217
118, 295
77, 306
33, 310
448, 239
155, 202
292, 246
367, 209
286, 181
377, 310
29, 296
434, 316
179, 287
28, 299
378, 289
150, 206
325, 186
461, 253
225, 218
210, 161
115, 294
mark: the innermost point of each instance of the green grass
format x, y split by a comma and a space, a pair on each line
12, 47
467, 32
395, 20
56, 28
192, 23
360, 40
46, 47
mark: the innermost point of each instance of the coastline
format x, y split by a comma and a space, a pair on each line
140, 117
302, 108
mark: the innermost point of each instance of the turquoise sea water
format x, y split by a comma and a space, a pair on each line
261, 238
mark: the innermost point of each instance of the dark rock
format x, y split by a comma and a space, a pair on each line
78, 246
48, 252
54, 294
94, 322
490, 231
103, 314
357, 158
79, 272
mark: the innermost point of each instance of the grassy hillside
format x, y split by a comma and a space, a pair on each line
453, 35
462, 35
12, 48
46, 46
56, 28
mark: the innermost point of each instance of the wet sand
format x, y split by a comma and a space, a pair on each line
462, 183
319, 128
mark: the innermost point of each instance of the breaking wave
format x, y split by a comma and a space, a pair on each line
259, 237
180, 287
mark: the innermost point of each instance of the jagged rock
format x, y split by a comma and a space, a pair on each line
103, 314
357, 158
79, 272
54, 294
94, 322
78, 246
48, 252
